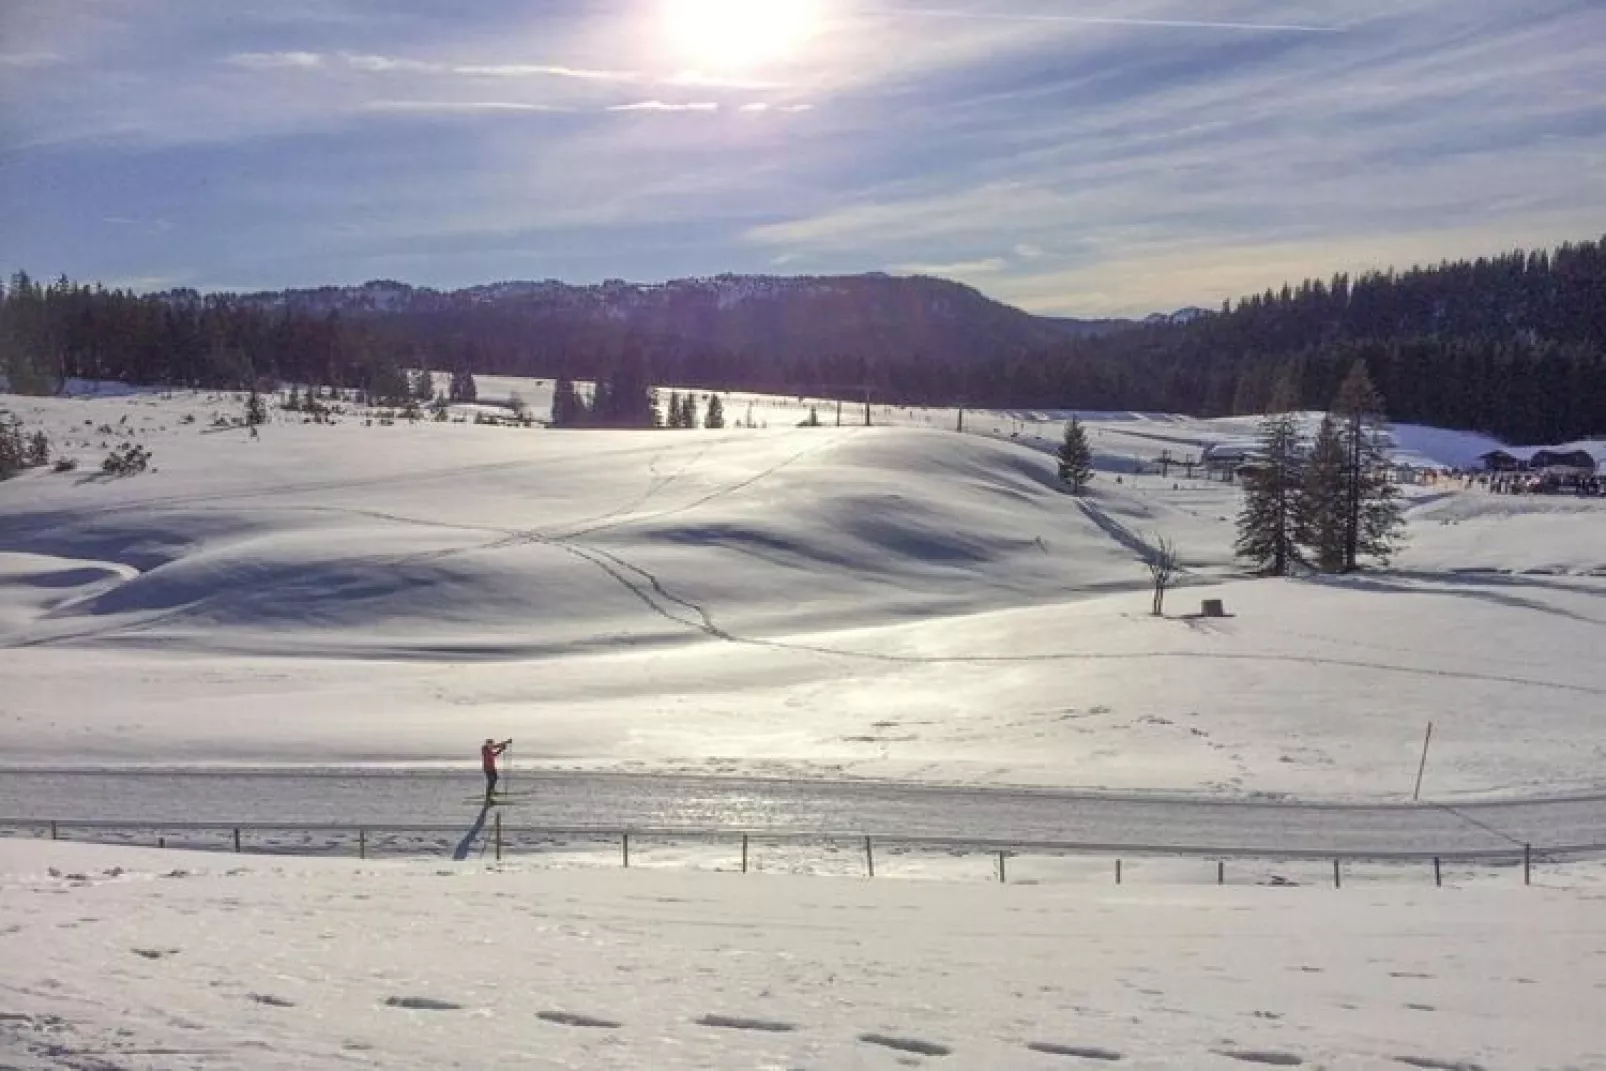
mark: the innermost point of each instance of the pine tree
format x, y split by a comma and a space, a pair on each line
12, 454
463, 388
1076, 457
1323, 507
1371, 518
688, 411
1270, 525
38, 449
567, 408
715, 417
256, 414
630, 401
676, 413
423, 384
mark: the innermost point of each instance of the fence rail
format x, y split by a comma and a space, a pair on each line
528, 839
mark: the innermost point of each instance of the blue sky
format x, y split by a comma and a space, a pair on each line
1082, 157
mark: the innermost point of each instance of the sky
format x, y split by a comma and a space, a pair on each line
1074, 157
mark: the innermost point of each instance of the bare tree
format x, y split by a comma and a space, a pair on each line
1162, 562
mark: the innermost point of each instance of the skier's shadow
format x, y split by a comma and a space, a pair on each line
475, 830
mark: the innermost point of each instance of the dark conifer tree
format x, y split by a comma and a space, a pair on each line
1371, 516
715, 417
1271, 523
1323, 522
256, 413
1076, 457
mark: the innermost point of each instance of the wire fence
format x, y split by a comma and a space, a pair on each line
497, 839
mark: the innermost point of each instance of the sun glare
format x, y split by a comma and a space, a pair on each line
723, 35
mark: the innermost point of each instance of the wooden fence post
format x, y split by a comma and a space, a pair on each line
869, 857
236, 840
1118, 871
1438, 873
362, 844
498, 836
624, 842
1338, 881
53, 834
1221, 872
744, 853
1527, 864
1003, 872
161, 842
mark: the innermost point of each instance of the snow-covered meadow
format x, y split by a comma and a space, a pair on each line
895, 601
141, 959
899, 601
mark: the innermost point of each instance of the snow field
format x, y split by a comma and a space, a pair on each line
891, 602
159, 959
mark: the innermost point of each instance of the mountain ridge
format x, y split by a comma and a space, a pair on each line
786, 317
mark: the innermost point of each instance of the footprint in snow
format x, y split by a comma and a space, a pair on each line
732, 1022
1081, 1052
914, 1045
1430, 1064
271, 1001
572, 1019
154, 953
1273, 1059
422, 1004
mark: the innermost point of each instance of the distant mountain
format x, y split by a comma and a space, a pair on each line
1181, 316
771, 320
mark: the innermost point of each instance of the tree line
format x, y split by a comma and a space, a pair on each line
1511, 345
1328, 503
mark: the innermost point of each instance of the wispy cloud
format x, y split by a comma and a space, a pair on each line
958, 268
386, 64
1107, 156
29, 59
759, 106
266, 61
150, 226
1106, 20
531, 70
467, 107
372, 63
665, 106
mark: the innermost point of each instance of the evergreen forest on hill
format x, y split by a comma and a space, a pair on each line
1512, 345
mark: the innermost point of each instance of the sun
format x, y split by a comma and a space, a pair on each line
725, 35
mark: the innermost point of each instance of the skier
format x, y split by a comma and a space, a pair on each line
488, 754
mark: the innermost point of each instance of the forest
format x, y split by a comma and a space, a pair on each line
1512, 345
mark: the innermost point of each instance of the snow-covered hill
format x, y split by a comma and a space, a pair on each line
898, 600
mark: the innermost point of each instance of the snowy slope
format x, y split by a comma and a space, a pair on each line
890, 601
145, 959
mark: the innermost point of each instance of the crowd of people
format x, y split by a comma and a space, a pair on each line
1542, 482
